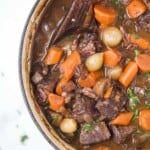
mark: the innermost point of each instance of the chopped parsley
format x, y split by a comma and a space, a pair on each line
147, 74
87, 127
147, 92
23, 138
148, 135
133, 99
138, 131
136, 36
54, 119
147, 105
136, 114
136, 53
71, 37
115, 1
99, 120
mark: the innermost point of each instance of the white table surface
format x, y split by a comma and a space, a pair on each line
15, 119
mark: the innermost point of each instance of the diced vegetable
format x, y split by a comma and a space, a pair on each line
128, 74
105, 15
90, 80
143, 43
53, 56
111, 36
136, 8
94, 62
143, 61
144, 119
101, 86
69, 65
112, 58
123, 118
114, 73
56, 102
60, 84
102, 148
108, 93
68, 125
133, 99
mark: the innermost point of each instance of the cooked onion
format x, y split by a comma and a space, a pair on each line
111, 36
68, 125
94, 62
114, 73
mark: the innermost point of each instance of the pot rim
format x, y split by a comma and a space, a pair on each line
21, 77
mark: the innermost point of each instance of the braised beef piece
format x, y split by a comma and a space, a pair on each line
121, 133
42, 87
111, 107
83, 109
81, 72
88, 50
144, 22
69, 86
89, 93
124, 2
98, 134
37, 77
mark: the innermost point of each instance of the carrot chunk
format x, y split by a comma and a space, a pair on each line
136, 8
53, 56
144, 119
141, 42
112, 57
108, 92
143, 61
128, 74
90, 80
105, 15
56, 102
60, 84
69, 65
123, 118
102, 148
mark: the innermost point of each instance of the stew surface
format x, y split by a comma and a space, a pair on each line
91, 72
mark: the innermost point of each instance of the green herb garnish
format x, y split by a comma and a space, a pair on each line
115, 1
147, 92
133, 99
136, 53
138, 131
147, 105
136, 36
71, 37
54, 119
148, 135
147, 74
87, 127
99, 120
136, 114
23, 138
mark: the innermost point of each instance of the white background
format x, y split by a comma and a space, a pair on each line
15, 120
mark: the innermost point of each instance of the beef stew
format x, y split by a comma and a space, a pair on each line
90, 72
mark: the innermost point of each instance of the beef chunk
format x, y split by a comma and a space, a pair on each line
143, 22
44, 85
99, 133
88, 50
121, 133
81, 72
69, 86
125, 2
111, 107
83, 107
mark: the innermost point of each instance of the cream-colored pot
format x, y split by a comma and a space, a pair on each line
25, 63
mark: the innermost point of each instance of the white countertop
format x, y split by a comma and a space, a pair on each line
15, 120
